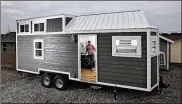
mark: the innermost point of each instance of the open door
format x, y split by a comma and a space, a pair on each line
87, 58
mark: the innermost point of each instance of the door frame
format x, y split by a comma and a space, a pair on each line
79, 58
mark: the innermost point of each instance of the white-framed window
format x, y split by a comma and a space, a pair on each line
24, 28
162, 58
38, 46
126, 46
38, 27
4, 47
153, 46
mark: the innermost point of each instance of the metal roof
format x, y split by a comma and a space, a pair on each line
167, 39
109, 21
9, 37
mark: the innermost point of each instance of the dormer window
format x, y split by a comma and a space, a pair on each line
24, 28
21, 28
39, 27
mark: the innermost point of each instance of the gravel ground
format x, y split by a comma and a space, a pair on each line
28, 89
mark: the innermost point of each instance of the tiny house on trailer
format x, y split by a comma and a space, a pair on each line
126, 49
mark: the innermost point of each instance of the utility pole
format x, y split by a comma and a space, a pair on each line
8, 29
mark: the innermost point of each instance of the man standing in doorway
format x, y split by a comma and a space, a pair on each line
90, 49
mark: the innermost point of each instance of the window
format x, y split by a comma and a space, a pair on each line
36, 27
54, 25
21, 28
38, 49
4, 47
68, 19
39, 27
162, 59
153, 46
126, 46
26, 28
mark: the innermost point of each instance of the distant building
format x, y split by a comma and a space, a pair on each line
176, 48
8, 49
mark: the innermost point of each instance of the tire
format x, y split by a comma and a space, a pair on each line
46, 80
60, 83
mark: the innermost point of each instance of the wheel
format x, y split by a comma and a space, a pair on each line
60, 83
46, 80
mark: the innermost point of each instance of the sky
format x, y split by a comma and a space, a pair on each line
166, 15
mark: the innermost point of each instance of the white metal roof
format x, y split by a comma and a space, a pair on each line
109, 21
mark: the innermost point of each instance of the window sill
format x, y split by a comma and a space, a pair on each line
39, 58
128, 55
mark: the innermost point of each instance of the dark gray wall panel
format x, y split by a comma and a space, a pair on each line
163, 48
153, 71
121, 70
60, 54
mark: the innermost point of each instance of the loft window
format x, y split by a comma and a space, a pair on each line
36, 27
26, 28
162, 57
21, 28
68, 19
126, 46
39, 27
38, 49
4, 47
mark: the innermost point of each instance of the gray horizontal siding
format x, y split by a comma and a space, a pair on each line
60, 54
121, 70
153, 71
